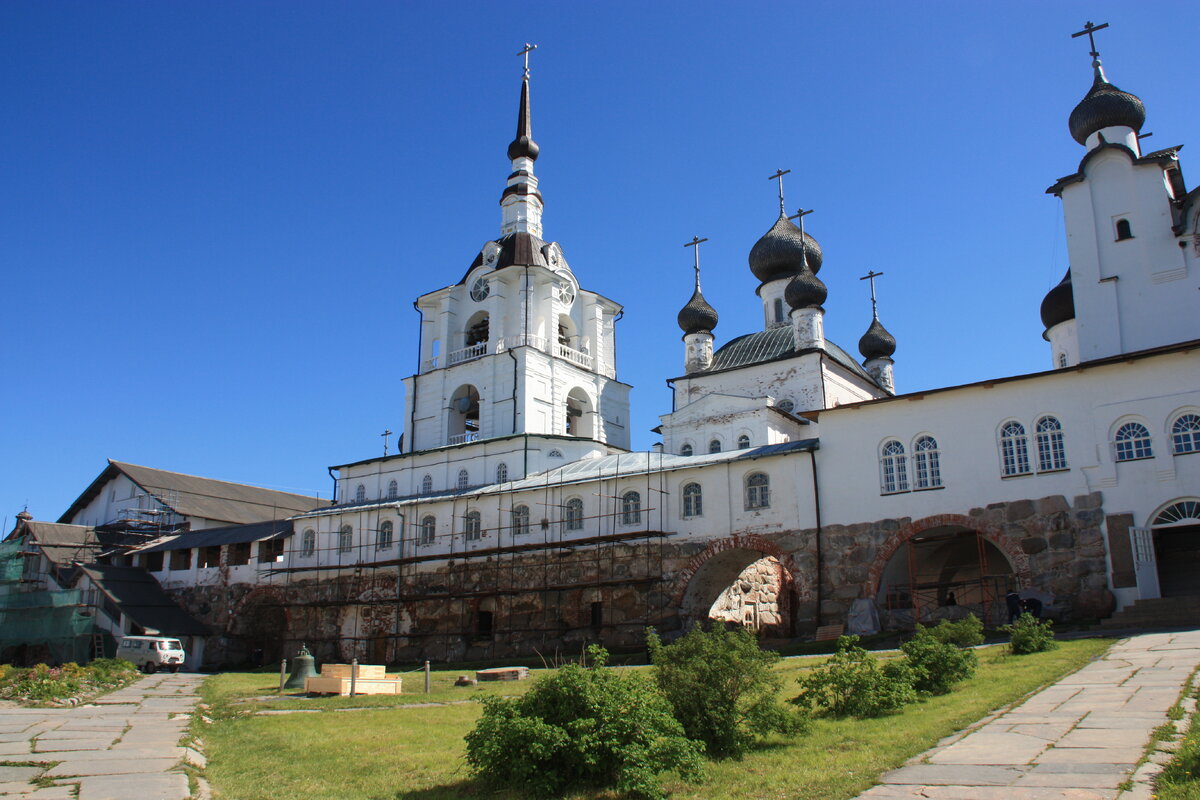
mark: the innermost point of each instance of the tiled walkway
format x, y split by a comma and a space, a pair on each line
1079, 738
124, 746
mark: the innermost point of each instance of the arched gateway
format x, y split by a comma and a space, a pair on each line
746, 580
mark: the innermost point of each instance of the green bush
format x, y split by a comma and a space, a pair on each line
855, 683
42, 683
722, 688
1030, 635
966, 632
937, 665
582, 728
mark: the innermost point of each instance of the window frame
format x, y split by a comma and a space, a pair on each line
926, 463
472, 526
893, 467
571, 520
385, 536
345, 540
692, 500
743, 442
464, 479
687, 450
757, 493
393, 490
1130, 448
426, 483
1180, 437
519, 520
715, 445
360, 493
1013, 441
427, 532
502, 472
1051, 444
631, 507
308, 543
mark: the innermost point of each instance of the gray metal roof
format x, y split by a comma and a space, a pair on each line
193, 496
231, 534
65, 544
774, 344
143, 600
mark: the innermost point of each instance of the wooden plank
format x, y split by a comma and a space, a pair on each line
829, 632
503, 674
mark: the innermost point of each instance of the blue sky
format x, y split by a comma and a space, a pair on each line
214, 216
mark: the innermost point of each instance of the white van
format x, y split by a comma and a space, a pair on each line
148, 653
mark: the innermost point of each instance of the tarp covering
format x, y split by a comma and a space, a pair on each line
39, 626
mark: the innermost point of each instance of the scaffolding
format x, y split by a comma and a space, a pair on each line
38, 624
543, 579
981, 594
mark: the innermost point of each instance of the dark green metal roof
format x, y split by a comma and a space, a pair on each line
774, 344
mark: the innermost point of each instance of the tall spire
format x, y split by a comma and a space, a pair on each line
521, 202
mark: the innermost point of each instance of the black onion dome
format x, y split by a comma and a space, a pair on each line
524, 145
1105, 106
876, 342
805, 290
1059, 303
697, 316
781, 250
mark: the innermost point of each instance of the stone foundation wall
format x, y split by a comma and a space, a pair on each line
542, 603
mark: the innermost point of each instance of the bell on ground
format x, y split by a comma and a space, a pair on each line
303, 666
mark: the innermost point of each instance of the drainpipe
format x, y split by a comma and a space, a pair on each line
812, 457
514, 391
671, 386
334, 495
616, 319
412, 421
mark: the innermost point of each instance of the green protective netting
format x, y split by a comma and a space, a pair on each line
43, 625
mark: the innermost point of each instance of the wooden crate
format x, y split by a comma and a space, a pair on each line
503, 674
335, 679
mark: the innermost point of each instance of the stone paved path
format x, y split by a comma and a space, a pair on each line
1079, 738
123, 746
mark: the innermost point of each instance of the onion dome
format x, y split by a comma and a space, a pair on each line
1059, 303
805, 290
876, 342
523, 146
697, 316
782, 250
1105, 106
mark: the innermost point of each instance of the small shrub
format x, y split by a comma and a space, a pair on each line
966, 632
855, 683
42, 683
1030, 635
937, 665
722, 688
582, 728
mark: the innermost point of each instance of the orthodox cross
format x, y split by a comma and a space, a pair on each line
800, 215
871, 276
529, 48
1090, 29
386, 433
778, 176
695, 242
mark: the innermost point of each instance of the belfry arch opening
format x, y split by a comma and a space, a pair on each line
464, 414
945, 572
741, 586
579, 416
477, 330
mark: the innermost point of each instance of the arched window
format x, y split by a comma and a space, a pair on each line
893, 470
927, 463
578, 421
308, 543
714, 446
758, 491
383, 539
520, 520
743, 442
427, 484
1186, 511
428, 530
693, 500
393, 490
360, 493
501, 472
631, 508
1051, 452
1014, 449
473, 526
477, 330
786, 406
1062, 360
778, 306
1185, 434
1133, 442
686, 450
1124, 230
555, 453
464, 479
573, 514
345, 539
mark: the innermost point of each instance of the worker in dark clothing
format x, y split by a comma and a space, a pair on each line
1032, 607
1013, 601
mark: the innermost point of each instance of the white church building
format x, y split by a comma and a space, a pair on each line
793, 487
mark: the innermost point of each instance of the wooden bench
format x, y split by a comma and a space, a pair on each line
827, 633
335, 679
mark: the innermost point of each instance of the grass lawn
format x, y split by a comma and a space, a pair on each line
401, 753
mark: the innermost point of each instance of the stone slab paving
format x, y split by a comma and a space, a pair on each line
125, 745
1079, 739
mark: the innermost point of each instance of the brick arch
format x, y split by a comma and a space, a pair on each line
994, 534
257, 597
715, 547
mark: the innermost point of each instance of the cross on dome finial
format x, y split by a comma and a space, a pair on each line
695, 242
529, 48
778, 176
1090, 30
871, 276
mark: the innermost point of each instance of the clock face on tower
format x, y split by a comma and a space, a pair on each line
480, 289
